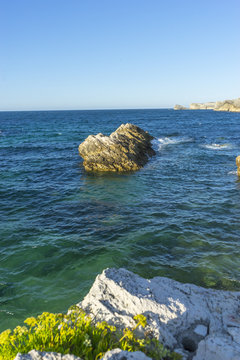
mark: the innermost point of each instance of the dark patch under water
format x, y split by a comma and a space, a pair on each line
59, 226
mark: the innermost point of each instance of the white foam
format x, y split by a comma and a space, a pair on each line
216, 146
165, 141
233, 172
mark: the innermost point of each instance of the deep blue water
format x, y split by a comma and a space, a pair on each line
60, 227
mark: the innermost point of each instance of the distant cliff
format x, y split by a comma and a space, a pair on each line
179, 107
202, 106
226, 105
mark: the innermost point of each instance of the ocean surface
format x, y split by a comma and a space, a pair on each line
60, 226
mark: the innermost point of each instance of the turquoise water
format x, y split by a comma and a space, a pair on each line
60, 227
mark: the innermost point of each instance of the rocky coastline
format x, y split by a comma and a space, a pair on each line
226, 105
198, 323
180, 107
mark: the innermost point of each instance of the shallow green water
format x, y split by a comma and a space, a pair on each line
60, 227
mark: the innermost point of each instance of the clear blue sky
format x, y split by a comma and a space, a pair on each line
96, 54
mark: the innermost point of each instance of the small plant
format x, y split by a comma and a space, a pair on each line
75, 334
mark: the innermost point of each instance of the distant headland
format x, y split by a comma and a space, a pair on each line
226, 105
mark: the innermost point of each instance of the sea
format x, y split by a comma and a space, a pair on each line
177, 217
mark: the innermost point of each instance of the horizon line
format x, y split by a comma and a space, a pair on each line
97, 109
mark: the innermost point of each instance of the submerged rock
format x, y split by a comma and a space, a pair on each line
126, 149
189, 319
238, 164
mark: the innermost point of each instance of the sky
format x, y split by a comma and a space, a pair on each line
113, 54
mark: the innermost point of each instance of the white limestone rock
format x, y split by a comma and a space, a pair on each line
39, 355
118, 354
173, 311
235, 333
201, 330
217, 347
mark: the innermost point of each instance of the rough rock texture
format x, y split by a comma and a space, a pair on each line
174, 311
116, 354
38, 355
238, 164
126, 149
202, 106
217, 348
179, 107
228, 105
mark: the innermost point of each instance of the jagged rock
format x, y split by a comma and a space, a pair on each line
238, 164
116, 354
173, 312
217, 347
202, 106
228, 105
126, 149
39, 355
179, 107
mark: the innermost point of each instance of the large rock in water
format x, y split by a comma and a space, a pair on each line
126, 149
238, 164
201, 324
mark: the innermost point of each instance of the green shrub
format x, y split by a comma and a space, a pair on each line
76, 334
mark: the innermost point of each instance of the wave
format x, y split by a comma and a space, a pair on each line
165, 141
217, 146
233, 172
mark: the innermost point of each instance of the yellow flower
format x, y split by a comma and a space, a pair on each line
31, 321
141, 320
4, 336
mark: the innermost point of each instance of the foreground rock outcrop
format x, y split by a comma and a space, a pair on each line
201, 324
238, 164
126, 149
115, 354
40, 355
